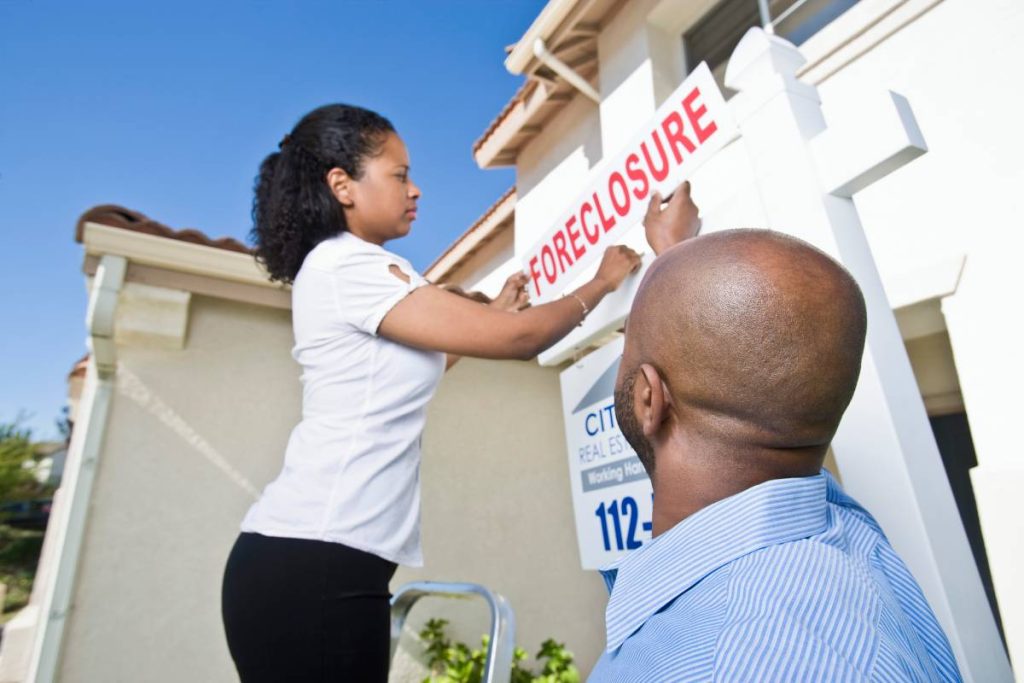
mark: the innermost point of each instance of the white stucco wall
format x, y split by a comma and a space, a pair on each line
962, 200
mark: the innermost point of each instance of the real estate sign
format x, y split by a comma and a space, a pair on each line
611, 493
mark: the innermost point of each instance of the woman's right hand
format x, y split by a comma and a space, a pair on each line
618, 262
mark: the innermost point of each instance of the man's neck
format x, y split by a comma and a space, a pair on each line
687, 481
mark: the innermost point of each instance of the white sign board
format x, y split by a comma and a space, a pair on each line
611, 494
691, 125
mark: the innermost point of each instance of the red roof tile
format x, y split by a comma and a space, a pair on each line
126, 219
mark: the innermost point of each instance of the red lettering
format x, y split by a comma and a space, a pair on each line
616, 180
606, 222
703, 133
563, 255
673, 127
636, 173
658, 174
574, 237
535, 275
584, 210
548, 257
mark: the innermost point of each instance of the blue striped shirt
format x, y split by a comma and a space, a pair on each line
790, 580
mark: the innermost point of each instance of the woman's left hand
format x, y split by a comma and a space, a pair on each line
513, 296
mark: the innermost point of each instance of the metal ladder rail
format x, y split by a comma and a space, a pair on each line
498, 666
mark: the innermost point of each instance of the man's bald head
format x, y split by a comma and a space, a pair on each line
757, 337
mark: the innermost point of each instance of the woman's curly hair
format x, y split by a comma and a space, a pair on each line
293, 209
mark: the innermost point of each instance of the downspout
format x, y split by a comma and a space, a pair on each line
80, 474
540, 50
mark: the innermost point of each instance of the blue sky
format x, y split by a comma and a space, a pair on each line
167, 108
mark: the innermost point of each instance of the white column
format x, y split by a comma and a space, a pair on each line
884, 448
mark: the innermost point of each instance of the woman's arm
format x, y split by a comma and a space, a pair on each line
431, 318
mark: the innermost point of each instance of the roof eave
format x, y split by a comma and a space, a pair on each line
500, 147
570, 28
172, 254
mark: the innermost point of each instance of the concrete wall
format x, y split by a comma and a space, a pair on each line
187, 430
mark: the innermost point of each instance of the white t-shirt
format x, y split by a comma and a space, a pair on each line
351, 469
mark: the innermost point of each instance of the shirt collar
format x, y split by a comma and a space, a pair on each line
647, 579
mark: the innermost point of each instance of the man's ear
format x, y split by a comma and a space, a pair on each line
340, 184
653, 400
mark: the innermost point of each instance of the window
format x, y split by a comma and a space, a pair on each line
715, 36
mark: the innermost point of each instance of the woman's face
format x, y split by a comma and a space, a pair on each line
381, 205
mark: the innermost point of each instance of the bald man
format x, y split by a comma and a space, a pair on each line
742, 351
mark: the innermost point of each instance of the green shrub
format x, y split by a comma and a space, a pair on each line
454, 662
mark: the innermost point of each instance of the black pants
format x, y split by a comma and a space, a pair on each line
298, 610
